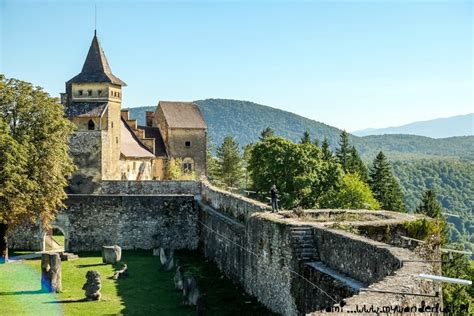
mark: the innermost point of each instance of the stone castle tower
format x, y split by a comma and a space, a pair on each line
93, 102
108, 145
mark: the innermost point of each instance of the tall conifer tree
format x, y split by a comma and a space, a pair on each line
326, 150
385, 186
229, 162
306, 139
429, 205
343, 153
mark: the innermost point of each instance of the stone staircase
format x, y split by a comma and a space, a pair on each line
303, 243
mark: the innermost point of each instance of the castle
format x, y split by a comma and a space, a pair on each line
108, 145
292, 265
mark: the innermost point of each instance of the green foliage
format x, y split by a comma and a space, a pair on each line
174, 169
326, 150
429, 205
34, 153
453, 182
267, 132
306, 139
356, 165
300, 174
458, 266
354, 194
349, 158
229, 163
385, 186
423, 228
343, 152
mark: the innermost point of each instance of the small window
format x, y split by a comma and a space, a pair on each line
116, 140
187, 143
187, 167
111, 124
99, 92
91, 125
80, 92
89, 92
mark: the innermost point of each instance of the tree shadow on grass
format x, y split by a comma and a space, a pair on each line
90, 265
67, 301
23, 292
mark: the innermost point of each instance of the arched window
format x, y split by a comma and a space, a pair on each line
188, 165
91, 125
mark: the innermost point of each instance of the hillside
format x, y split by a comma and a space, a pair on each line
446, 165
245, 120
460, 125
453, 182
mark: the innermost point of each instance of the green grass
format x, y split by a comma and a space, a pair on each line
59, 239
147, 291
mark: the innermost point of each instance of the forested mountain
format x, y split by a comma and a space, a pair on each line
245, 120
420, 163
453, 183
460, 125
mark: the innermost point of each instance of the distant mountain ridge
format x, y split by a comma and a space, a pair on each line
245, 120
460, 125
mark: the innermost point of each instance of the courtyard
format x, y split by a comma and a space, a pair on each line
146, 291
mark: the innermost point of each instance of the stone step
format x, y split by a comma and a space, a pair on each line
66, 256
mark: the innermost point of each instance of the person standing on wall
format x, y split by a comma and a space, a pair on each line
274, 196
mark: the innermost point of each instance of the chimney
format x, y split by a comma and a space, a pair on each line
150, 116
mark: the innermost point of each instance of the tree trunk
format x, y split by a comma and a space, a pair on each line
3, 243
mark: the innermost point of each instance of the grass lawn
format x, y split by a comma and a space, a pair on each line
147, 291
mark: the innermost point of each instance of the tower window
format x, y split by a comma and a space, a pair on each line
89, 92
187, 143
80, 92
116, 140
99, 92
91, 125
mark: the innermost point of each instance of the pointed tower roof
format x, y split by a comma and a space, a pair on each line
96, 68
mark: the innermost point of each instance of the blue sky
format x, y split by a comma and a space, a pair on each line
351, 64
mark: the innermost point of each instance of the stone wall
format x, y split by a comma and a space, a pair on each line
150, 187
234, 205
255, 249
86, 151
131, 222
257, 255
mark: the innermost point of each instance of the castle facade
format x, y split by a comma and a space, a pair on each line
108, 145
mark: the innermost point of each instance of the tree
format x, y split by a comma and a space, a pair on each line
354, 194
212, 165
301, 175
384, 185
326, 150
34, 156
343, 153
174, 169
455, 295
429, 205
306, 139
267, 132
229, 162
356, 165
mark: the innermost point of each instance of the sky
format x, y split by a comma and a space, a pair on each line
350, 64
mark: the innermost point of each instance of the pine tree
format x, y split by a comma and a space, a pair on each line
356, 165
385, 186
306, 139
229, 162
326, 150
267, 132
429, 205
343, 153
